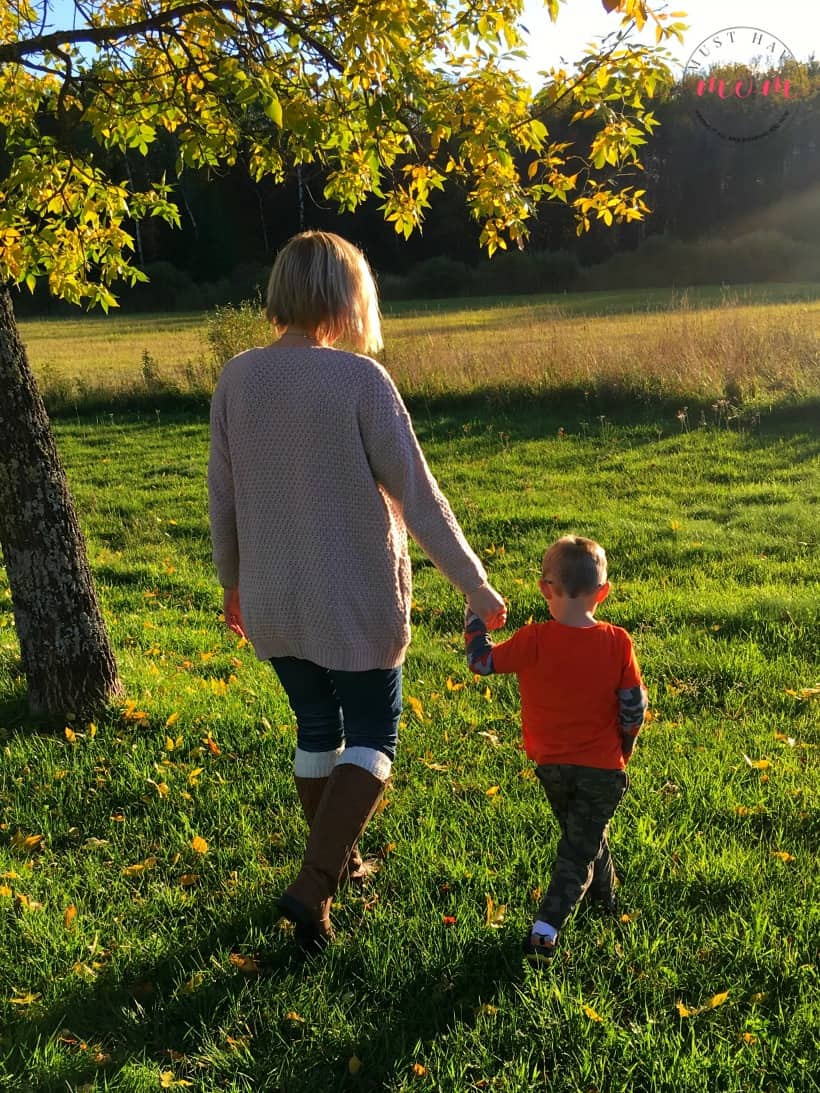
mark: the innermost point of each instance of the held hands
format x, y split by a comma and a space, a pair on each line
233, 612
489, 606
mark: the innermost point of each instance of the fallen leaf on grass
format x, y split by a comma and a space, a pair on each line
26, 844
491, 792
193, 984
453, 686
783, 739
783, 855
492, 737
292, 1015
757, 764
630, 917
495, 913
199, 844
748, 1038
139, 867
487, 1010
187, 880
27, 999
592, 1014
418, 1070
449, 920
354, 1064
168, 1081
5, 890
714, 1001
172, 720
69, 915
70, 735
416, 706
246, 964
804, 693
27, 904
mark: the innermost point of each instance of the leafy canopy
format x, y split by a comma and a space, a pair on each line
392, 97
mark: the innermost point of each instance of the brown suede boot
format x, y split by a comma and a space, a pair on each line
346, 806
310, 790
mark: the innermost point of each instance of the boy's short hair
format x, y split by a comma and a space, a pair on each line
574, 566
323, 283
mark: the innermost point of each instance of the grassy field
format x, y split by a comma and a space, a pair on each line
137, 957
758, 342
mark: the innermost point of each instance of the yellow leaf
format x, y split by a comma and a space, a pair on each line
757, 764
491, 792
354, 1064
199, 844
69, 915
246, 964
168, 1081
418, 1070
172, 720
291, 1015
452, 686
70, 735
685, 1011
139, 867
592, 1014
495, 913
487, 1010
92, 729
716, 1000
27, 843
416, 706
748, 1038
187, 880
24, 999
488, 694
630, 917
783, 855
193, 984
5, 890
193, 776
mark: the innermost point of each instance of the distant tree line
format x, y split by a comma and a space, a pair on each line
756, 202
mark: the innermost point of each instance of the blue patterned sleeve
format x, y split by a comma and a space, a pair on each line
478, 646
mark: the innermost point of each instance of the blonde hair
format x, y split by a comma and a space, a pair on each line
322, 283
574, 566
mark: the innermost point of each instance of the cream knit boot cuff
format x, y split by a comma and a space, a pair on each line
315, 764
369, 759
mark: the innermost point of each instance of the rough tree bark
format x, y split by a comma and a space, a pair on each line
66, 655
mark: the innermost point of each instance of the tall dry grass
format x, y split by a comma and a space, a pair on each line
686, 348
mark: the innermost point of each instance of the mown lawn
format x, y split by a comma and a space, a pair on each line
140, 857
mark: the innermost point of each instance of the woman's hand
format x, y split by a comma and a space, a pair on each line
489, 606
233, 612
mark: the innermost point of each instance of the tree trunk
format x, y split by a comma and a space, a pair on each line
66, 655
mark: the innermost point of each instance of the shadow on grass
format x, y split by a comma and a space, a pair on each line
140, 1017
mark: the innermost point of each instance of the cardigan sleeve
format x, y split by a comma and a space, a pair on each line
399, 466
221, 505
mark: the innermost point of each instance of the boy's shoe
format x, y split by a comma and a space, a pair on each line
538, 951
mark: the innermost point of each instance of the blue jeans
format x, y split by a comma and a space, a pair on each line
361, 709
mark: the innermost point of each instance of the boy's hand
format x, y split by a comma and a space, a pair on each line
489, 606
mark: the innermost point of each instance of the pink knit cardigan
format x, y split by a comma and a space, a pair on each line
315, 477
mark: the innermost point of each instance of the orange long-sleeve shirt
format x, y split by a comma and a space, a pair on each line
569, 678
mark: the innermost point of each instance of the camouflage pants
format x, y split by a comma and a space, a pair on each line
584, 800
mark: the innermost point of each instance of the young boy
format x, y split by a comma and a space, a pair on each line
582, 704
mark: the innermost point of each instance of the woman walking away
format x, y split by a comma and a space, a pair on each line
315, 478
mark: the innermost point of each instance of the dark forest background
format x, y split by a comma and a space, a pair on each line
723, 210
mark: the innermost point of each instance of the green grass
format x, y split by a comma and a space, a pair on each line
712, 539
